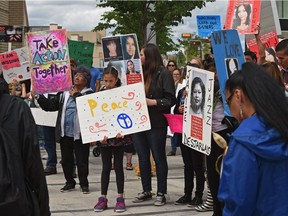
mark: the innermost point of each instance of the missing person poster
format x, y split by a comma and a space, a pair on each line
228, 56
49, 61
122, 52
15, 65
198, 107
243, 15
106, 113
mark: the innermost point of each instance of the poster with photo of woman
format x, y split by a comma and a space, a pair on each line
112, 49
243, 16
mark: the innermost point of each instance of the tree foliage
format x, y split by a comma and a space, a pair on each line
134, 16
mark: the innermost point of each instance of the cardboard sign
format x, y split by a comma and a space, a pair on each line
207, 24
122, 52
106, 113
48, 56
244, 16
228, 56
269, 40
44, 118
198, 107
16, 65
81, 52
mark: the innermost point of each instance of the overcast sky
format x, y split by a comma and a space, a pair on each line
84, 15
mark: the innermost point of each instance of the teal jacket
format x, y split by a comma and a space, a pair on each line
254, 179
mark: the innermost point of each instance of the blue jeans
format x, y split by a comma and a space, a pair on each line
50, 146
174, 141
154, 139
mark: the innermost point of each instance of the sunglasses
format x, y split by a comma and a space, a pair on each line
228, 100
171, 65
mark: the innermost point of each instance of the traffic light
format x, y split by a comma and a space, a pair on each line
196, 43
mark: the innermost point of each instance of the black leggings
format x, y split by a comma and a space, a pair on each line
106, 155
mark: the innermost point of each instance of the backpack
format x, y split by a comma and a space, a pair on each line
12, 188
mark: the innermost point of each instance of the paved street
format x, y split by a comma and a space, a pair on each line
75, 203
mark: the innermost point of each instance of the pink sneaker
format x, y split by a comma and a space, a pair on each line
120, 205
101, 205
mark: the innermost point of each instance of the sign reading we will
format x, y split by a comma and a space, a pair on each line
49, 61
15, 65
228, 56
106, 113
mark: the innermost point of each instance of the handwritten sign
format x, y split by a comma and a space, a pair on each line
82, 52
122, 52
198, 106
243, 16
207, 24
270, 40
106, 113
16, 66
228, 56
48, 56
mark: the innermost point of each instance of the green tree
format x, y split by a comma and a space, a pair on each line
134, 17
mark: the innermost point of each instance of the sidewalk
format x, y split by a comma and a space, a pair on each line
77, 204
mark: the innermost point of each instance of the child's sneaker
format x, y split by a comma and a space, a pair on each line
101, 205
120, 205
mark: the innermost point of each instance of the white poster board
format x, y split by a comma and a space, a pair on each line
198, 106
106, 113
44, 118
19, 72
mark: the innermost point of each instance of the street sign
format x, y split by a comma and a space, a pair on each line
11, 33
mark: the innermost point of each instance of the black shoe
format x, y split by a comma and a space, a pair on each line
183, 200
50, 170
85, 190
67, 188
143, 197
196, 201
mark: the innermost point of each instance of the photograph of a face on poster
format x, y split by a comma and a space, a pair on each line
197, 117
119, 65
130, 47
197, 94
231, 66
242, 17
112, 49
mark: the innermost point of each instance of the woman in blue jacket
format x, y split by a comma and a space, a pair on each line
254, 178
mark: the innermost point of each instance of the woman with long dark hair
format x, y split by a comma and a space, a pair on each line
160, 97
255, 168
242, 17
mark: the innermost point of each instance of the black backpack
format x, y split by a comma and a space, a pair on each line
12, 188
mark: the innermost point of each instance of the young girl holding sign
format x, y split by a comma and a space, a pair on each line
112, 147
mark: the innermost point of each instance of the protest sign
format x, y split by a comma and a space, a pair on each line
106, 113
122, 52
198, 107
269, 40
49, 61
15, 65
207, 24
228, 56
81, 52
44, 118
243, 16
